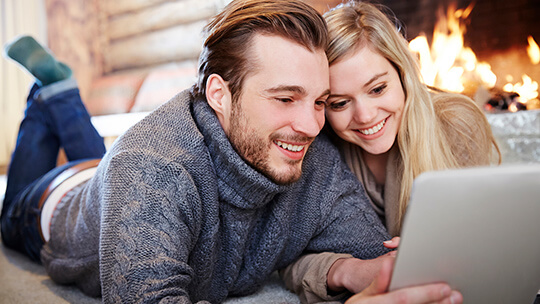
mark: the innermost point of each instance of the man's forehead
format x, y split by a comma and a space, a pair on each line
274, 52
279, 65
271, 49
265, 38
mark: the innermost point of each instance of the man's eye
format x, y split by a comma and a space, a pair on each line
321, 103
284, 100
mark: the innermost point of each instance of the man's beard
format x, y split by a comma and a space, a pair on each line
256, 151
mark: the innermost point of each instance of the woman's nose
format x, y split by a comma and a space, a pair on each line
365, 112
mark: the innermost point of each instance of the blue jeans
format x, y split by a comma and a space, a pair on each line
55, 117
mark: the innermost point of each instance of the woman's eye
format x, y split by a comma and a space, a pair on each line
379, 89
338, 104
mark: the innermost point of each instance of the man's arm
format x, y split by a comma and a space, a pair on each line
148, 227
377, 292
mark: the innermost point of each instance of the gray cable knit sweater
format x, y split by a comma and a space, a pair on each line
174, 215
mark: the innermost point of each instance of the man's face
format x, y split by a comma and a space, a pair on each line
280, 109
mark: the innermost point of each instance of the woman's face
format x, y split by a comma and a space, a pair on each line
366, 101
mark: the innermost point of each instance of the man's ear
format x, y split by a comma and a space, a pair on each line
219, 98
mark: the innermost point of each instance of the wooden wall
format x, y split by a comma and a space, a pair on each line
74, 37
323, 6
102, 37
145, 33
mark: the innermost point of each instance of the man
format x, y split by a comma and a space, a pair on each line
216, 189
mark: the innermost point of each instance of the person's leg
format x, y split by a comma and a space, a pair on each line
35, 152
55, 117
26, 51
37, 147
20, 223
58, 98
68, 119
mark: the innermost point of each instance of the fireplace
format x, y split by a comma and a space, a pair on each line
502, 34
499, 33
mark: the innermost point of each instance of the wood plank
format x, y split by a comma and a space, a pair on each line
177, 43
74, 38
116, 7
322, 6
160, 16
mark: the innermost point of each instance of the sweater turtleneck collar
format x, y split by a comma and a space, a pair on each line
239, 183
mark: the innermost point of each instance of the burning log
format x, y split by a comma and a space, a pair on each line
496, 100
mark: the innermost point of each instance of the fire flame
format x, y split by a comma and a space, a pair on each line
533, 50
449, 65
528, 89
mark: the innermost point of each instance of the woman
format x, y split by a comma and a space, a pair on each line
389, 126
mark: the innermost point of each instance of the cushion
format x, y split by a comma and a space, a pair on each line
114, 94
164, 83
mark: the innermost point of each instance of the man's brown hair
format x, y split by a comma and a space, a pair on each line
229, 37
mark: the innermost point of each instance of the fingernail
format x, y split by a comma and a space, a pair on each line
455, 297
446, 291
387, 242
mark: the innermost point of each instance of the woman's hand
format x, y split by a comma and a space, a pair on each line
393, 243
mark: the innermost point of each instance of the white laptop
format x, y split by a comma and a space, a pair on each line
477, 229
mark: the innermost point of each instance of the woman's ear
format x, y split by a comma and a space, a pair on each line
219, 98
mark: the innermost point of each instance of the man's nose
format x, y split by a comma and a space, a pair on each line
308, 121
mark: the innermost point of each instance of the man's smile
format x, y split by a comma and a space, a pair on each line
290, 147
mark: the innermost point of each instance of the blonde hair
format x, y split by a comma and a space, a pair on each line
425, 140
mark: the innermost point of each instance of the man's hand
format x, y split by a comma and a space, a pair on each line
376, 292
